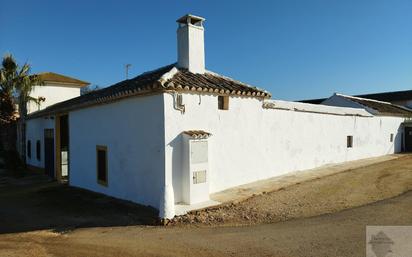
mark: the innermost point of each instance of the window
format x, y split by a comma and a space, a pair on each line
38, 150
391, 138
223, 102
199, 177
101, 162
29, 148
349, 141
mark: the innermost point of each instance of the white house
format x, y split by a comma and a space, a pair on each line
176, 134
402, 98
56, 88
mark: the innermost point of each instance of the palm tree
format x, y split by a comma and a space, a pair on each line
7, 109
17, 84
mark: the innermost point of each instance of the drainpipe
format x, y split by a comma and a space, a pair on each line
178, 102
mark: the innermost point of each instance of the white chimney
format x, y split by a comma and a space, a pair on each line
190, 43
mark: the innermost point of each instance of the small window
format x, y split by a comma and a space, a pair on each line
199, 177
223, 102
29, 148
101, 162
38, 148
391, 138
349, 141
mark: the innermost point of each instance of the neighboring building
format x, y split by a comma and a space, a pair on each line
56, 88
374, 107
174, 135
403, 98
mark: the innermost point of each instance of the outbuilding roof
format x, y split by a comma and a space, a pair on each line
61, 79
390, 96
385, 96
382, 108
167, 78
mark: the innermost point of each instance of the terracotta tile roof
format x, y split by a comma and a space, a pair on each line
58, 78
213, 83
197, 134
382, 108
167, 78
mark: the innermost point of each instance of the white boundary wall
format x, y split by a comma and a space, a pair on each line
133, 131
251, 143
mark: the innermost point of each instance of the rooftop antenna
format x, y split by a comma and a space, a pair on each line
127, 67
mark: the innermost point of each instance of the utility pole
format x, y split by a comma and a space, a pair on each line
127, 67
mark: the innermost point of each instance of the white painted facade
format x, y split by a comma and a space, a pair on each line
148, 153
133, 132
35, 132
251, 143
52, 93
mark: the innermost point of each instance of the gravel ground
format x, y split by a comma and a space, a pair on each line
347, 189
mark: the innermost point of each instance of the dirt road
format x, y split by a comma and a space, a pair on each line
42, 218
340, 234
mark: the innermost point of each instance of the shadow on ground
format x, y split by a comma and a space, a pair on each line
35, 202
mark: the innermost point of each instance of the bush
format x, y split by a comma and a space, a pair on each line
10, 160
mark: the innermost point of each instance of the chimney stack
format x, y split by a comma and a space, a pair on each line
190, 43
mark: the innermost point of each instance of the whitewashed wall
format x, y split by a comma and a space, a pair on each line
133, 131
35, 131
53, 93
250, 143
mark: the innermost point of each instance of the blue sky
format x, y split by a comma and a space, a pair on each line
294, 49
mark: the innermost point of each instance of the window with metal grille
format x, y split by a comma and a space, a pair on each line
29, 148
223, 102
349, 141
199, 177
101, 162
38, 148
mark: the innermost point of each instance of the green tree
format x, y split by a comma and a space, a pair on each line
16, 85
7, 109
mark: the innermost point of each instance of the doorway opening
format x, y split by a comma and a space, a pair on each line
408, 139
62, 148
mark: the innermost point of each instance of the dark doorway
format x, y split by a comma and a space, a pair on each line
49, 152
64, 146
408, 139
